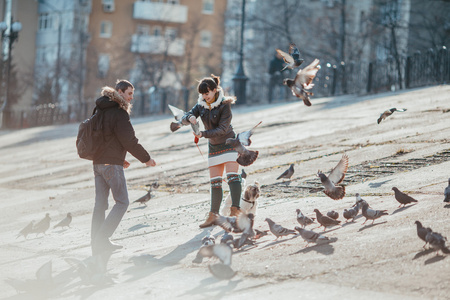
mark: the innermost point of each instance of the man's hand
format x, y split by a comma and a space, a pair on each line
151, 163
193, 120
126, 164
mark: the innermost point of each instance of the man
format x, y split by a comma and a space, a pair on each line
109, 164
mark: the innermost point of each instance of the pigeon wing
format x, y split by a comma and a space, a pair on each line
338, 173
177, 113
305, 76
286, 57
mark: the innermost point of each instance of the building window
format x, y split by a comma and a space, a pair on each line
170, 33
205, 38
103, 65
105, 29
143, 29
157, 30
45, 21
208, 7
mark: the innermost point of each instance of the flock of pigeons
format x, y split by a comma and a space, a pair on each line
43, 225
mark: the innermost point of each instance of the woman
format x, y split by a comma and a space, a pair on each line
215, 111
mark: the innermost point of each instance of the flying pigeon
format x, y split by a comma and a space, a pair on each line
209, 239
436, 241
245, 157
227, 223
226, 238
27, 230
333, 214
325, 221
371, 214
277, 229
402, 198
303, 82
352, 212
447, 192
144, 199
292, 59
178, 114
43, 225
422, 232
222, 251
245, 224
310, 236
244, 137
288, 173
389, 112
335, 177
65, 222
302, 219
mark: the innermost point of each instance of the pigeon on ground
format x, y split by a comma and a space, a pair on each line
178, 114
447, 192
222, 251
302, 219
209, 239
245, 157
352, 212
226, 238
260, 233
402, 198
144, 199
65, 222
27, 230
310, 236
371, 214
335, 177
288, 173
302, 82
43, 225
436, 241
422, 232
292, 59
277, 229
325, 221
389, 112
333, 214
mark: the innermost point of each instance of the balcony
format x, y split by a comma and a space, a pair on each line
157, 45
164, 12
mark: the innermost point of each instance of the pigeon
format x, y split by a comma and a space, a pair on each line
436, 241
43, 225
303, 82
310, 236
447, 192
292, 59
333, 214
245, 224
389, 112
144, 199
178, 114
208, 239
352, 212
222, 251
260, 233
371, 214
325, 221
422, 232
227, 223
27, 230
335, 177
402, 198
227, 238
243, 174
245, 157
65, 222
277, 229
288, 173
302, 219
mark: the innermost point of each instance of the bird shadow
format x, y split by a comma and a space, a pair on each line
447, 206
422, 253
137, 226
208, 288
435, 259
324, 247
400, 209
140, 207
276, 242
371, 225
378, 184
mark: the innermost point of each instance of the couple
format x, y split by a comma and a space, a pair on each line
215, 111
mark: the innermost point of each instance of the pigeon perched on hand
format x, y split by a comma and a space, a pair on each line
277, 229
27, 230
292, 59
302, 82
144, 199
178, 114
302, 219
288, 173
389, 112
335, 177
352, 212
436, 241
310, 236
371, 214
325, 221
221, 251
333, 214
43, 225
422, 232
447, 192
65, 222
402, 198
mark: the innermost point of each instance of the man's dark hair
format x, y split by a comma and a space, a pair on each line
123, 85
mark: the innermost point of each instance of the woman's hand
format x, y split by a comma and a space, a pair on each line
193, 120
198, 135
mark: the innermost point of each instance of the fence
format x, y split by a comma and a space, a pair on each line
420, 69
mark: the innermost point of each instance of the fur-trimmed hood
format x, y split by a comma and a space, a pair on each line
114, 96
220, 99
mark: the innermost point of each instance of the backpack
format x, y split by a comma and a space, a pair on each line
90, 138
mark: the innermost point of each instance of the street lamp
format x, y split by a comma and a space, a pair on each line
12, 34
239, 79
